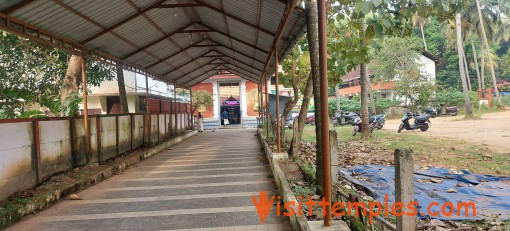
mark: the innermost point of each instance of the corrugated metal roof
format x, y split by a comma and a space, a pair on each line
100, 11
247, 10
139, 31
162, 36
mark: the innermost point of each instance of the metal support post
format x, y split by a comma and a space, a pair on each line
324, 129
147, 109
278, 125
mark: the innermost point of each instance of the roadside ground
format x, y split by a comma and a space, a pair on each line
450, 143
491, 130
481, 145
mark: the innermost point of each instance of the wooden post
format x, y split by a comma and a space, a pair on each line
404, 187
278, 119
267, 109
147, 110
166, 127
85, 109
37, 147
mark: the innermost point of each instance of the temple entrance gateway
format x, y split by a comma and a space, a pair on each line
230, 101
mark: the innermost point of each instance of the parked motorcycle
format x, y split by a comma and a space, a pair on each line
344, 118
433, 112
451, 110
379, 119
421, 122
310, 120
289, 123
358, 125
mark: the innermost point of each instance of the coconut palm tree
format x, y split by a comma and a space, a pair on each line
419, 21
487, 49
460, 51
472, 24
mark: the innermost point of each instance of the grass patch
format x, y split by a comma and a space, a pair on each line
505, 100
303, 191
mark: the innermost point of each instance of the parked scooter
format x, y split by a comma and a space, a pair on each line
344, 118
433, 112
421, 122
358, 125
451, 110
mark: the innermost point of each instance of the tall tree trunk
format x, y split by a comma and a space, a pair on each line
476, 64
72, 80
482, 70
298, 130
469, 112
486, 43
365, 129
291, 103
493, 73
313, 43
423, 36
371, 96
122, 90
466, 68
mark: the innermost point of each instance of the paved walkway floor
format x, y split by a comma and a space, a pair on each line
203, 183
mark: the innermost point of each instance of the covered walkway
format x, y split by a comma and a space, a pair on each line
203, 183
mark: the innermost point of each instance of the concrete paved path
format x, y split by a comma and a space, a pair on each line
203, 183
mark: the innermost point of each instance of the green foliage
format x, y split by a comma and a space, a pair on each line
349, 38
454, 97
32, 114
449, 96
31, 73
71, 105
182, 92
296, 68
354, 104
505, 100
201, 101
474, 99
397, 60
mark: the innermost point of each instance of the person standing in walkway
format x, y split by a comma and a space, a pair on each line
200, 122
224, 116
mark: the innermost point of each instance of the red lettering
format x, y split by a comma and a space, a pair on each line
371, 206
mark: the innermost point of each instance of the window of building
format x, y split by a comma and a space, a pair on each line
142, 103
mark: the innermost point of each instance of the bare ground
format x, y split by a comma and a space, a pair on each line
491, 130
